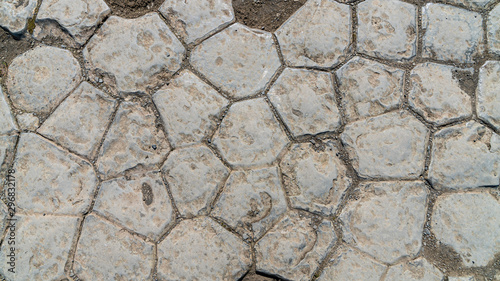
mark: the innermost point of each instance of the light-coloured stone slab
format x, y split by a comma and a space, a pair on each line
201, 249
305, 100
416, 270
239, 60
470, 4
7, 123
7, 144
493, 28
15, 13
488, 95
28, 121
465, 278
318, 34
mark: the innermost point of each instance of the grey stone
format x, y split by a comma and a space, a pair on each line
7, 123
493, 28
7, 144
14, 14
416, 270
487, 94
28, 121
470, 3
464, 278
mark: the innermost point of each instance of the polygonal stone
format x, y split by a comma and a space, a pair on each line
252, 201
415, 270
464, 278
7, 144
134, 53
306, 101
80, 121
106, 252
195, 19
387, 220
50, 179
41, 78
202, 249
15, 13
194, 175
139, 202
7, 123
435, 93
326, 41
469, 223
315, 180
42, 246
451, 33
133, 140
239, 60
295, 246
391, 145
470, 4
387, 29
487, 94
189, 108
250, 134
493, 27
369, 88
465, 156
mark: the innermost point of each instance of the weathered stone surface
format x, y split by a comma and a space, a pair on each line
315, 180
50, 179
416, 270
28, 121
7, 144
239, 60
465, 278
465, 156
201, 249
106, 252
435, 93
133, 140
140, 202
470, 3
318, 34
195, 19
250, 134
14, 14
135, 53
194, 175
369, 88
469, 223
39, 79
451, 33
391, 145
493, 27
7, 123
80, 121
295, 246
387, 29
252, 201
189, 108
487, 94
387, 220
305, 100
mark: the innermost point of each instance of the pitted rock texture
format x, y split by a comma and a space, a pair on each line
493, 27
415, 270
14, 14
487, 94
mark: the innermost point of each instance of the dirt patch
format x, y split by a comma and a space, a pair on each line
11, 47
255, 277
133, 8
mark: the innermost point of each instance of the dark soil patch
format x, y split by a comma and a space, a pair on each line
133, 8
11, 47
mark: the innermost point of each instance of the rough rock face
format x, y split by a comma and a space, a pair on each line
15, 13
493, 26
7, 123
415, 270
487, 94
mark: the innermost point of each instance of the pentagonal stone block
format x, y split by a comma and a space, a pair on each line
436, 93
387, 29
465, 156
134, 53
415, 270
194, 175
391, 145
7, 123
451, 33
201, 248
369, 88
487, 94
239, 60
250, 134
189, 109
252, 201
379, 222
41, 78
326, 42
14, 14
305, 100
493, 28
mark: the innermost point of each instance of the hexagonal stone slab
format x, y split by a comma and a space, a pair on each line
140, 202
250, 134
465, 156
326, 42
487, 94
387, 29
493, 28
239, 60
252, 201
134, 53
41, 78
469, 223
295, 246
194, 19
369, 88
14, 14
436, 93
50, 179
80, 121
189, 108
380, 223
106, 252
305, 100
391, 145
194, 175
415, 270
315, 180
201, 248
451, 33
7, 123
